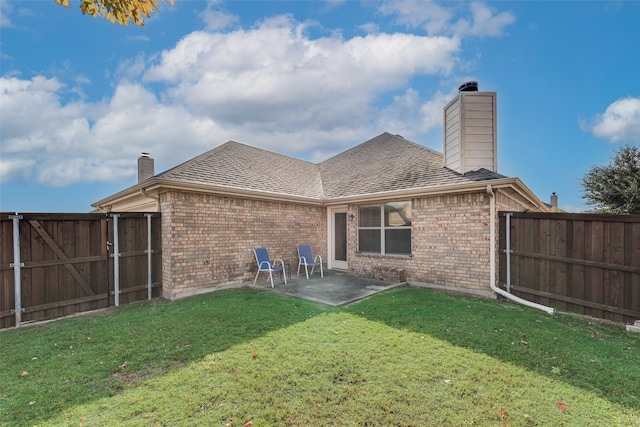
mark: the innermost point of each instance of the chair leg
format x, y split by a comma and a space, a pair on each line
254, 280
284, 275
298, 268
271, 278
321, 272
306, 270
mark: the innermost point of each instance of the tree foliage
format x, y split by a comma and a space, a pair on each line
120, 11
615, 189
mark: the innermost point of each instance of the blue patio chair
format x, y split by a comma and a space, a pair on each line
305, 257
265, 264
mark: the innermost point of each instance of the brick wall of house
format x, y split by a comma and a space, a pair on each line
208, 239
450, 242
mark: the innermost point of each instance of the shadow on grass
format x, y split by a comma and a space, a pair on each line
49, 368
74, 361
595, 356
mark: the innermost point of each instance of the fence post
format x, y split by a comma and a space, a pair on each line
17, 285
116, 261
148, 251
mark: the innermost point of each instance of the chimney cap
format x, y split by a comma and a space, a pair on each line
144, 154
470, 86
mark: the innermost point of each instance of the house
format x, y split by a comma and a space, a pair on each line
388, 208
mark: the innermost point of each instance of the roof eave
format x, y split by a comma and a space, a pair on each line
514, 183
155, 186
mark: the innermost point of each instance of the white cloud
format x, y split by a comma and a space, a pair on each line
411, 116
483, 22
216, 19
275, 77
15, 169
419, 14
5, 11
619, 123
55, 145
370, 28
32, 114
271, 86
436, 19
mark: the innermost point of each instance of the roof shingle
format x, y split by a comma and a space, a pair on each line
385, 163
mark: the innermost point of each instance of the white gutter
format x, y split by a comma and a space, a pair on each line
143, 191
492, 256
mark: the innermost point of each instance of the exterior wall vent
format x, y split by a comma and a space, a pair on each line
145, 167
471, 130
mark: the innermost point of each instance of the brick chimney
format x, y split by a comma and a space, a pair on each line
470, 130
145, 167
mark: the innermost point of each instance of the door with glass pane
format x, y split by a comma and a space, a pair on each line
338, 241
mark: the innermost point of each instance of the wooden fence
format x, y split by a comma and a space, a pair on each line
584, 263
68, 263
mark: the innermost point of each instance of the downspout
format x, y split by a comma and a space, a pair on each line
156, 198
492, 256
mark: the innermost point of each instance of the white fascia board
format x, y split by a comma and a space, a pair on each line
157, 186
424, 191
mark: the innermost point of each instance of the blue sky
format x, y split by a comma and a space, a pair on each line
81, 98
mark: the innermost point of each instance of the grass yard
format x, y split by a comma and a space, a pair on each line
408, 357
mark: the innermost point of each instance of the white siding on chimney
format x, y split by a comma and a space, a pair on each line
452, 140
470, 134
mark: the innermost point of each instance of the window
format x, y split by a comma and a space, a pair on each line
385, 229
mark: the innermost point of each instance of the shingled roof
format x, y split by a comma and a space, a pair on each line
385, 163
243, 167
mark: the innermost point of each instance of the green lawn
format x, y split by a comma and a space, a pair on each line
408, 357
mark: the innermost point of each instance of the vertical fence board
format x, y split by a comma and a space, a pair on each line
597, 273
156, 258
515, 228
576, 284
606, 256
617, 277
502, 255
38, 279
544, 249
528, 245
27, 291
584, 263
633, 302
67, 264
553, 266
588, 271
561, 268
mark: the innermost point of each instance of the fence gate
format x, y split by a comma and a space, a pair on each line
585, 263
53, 265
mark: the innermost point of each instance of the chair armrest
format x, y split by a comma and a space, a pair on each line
275, 261
303, 260
261, 266
318, 257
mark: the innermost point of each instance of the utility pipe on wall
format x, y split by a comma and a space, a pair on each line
508, 226
156, 198
149, 252
17, 264
116, 261
492, 256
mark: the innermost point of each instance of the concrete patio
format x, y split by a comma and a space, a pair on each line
336, 288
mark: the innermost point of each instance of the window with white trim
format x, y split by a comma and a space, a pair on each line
385, 228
